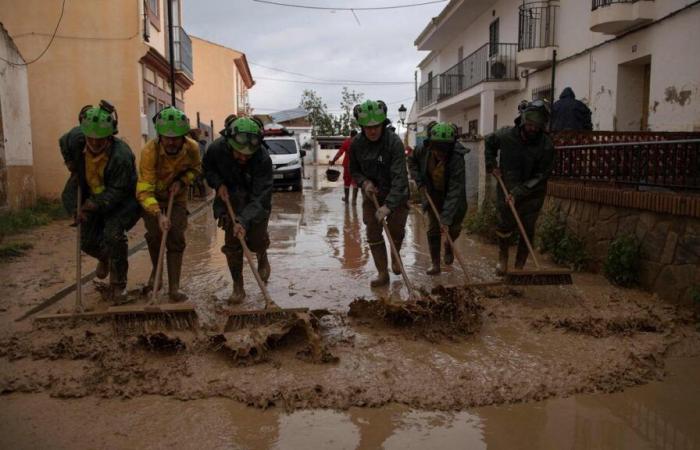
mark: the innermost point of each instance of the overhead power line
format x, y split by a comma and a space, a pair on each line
325, 79
340, 83
367, 8
53, 36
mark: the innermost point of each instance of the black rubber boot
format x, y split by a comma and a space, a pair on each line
521, 255
174, 270
235, 266
263, 266
395, 266
354, 196
380, 262
346, 197
502, 266
449, 256
434, 247
102, 269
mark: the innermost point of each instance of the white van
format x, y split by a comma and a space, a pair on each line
286, 156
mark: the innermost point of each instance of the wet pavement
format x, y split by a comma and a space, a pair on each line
536, 343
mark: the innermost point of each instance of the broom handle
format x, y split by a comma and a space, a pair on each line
517, 219
78, 259
394, 252
449, 238
249, 258
161, 250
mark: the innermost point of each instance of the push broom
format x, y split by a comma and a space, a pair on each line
531, 277
271, 313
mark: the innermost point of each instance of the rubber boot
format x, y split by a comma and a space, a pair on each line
354, 196
238, 293
174, 270
434, 246
395, 266
380, 262
346, 197
263, 266
118, 269
102, 269
502, 266
449, 256
521, 255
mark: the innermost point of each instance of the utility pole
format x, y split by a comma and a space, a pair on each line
172, 52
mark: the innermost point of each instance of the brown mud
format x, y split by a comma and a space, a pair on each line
467, 348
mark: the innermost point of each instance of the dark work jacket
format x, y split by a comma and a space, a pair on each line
570, 114
249, 186
72, 144
119, 195
455, 205
384, 164
525, 167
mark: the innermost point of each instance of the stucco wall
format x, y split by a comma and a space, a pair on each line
89, 60
16, 159
214, 92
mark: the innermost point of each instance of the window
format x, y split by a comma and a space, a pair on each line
473, 127
150, 113
430, 85
149, 75
542, 93
493, 38
153, 7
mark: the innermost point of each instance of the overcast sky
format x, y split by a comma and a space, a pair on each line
323, 44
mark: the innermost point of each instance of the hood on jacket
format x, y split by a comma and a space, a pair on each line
567, 93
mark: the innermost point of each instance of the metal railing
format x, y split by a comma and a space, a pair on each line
470, 71
665, 160
537, 24
603, 3
182, 46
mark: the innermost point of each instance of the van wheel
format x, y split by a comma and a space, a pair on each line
298, 187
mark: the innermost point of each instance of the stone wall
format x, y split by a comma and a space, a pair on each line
670, 243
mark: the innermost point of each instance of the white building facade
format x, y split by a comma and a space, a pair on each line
634, 62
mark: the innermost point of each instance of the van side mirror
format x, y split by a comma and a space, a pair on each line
303, 153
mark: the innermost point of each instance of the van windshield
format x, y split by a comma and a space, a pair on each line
282, 146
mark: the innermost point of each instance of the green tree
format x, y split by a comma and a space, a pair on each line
321, 121
349, 98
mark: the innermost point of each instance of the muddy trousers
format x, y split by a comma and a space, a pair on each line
257, 239
528, 209
396, 222
104, 238
434, 234
175, 242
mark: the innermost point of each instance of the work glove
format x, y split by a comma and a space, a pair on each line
519, 191
369, 188
222, 192
238, 230
175, 187
332, 162
382, 212
163, 222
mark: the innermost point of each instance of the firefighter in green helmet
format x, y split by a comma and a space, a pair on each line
437, 166
169, 165
105, 171
378, 166
238, 167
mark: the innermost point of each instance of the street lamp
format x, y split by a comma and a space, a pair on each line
402, 114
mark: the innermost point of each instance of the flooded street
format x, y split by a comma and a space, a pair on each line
582, 366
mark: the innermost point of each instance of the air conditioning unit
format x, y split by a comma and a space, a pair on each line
501, 66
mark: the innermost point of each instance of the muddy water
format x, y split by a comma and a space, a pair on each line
534, 343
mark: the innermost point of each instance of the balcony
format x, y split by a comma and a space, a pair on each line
182, 46
617, 16
491, 62
536, 33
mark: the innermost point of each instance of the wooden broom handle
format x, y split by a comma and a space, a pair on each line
161, 250
249, 258
78, 259
456, 252
517, 219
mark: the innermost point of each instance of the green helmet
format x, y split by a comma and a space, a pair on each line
97, 123
171, 122
244, 135
442, 132
370, 113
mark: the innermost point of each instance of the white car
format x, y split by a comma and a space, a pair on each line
286, 158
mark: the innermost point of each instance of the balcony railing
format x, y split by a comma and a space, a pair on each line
643, 159
182, 47
537, 25
470, 71
603, 3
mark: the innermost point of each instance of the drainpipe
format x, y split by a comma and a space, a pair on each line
554, 75
172, 52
